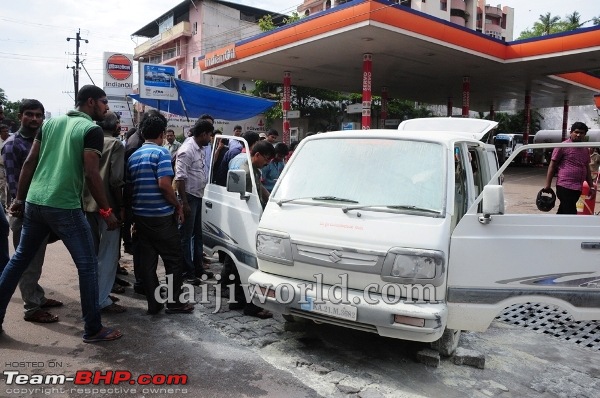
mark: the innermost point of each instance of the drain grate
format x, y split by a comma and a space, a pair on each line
548, 319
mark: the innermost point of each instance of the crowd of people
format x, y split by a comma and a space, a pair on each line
72, 179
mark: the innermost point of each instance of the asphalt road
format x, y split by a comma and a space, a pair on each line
226, 354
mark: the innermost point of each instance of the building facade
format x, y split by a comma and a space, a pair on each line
495, 21
186, 33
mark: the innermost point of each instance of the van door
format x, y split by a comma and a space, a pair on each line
520, 258
229, 222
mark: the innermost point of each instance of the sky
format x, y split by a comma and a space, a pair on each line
34, 52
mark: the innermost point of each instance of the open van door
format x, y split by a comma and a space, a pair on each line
230, 220
553, 259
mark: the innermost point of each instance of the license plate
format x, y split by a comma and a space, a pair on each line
328, 308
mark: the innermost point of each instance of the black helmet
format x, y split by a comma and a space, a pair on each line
545, 200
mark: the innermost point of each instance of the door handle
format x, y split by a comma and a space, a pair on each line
590, 245
209, 205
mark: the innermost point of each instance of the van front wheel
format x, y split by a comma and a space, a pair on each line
446, 345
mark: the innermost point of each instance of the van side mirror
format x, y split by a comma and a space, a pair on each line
492, 202
236, 182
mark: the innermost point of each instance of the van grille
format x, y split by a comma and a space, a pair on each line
338, 257
319, 318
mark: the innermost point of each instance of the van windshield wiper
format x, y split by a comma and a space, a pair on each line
394, 207
332, 198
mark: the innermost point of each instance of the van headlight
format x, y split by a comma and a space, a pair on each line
274, 247
413, 264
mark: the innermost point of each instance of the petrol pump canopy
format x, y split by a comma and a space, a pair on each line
419, 57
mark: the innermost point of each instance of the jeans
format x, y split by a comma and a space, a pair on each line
158, 236
191, 238
107, 244
72, 228
32, 293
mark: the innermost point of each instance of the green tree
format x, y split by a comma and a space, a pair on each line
3, 98
266, 23
515, 122
11, 112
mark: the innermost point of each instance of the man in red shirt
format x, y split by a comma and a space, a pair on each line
573, 169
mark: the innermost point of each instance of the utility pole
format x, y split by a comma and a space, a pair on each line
76, 68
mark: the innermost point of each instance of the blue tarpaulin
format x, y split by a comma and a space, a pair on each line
199, 99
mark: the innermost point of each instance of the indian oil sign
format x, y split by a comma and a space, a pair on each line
119, 67
118, 73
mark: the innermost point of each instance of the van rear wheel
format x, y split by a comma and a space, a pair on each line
446, 345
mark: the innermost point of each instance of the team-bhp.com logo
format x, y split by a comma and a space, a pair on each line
95, 382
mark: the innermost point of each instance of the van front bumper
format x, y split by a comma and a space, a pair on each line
355, 313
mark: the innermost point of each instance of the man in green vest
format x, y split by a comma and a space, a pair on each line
65, 152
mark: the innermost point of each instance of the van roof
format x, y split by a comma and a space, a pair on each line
466, 127
445, 138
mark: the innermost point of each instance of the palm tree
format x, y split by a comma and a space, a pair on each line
596, 20
573, 21
548, 23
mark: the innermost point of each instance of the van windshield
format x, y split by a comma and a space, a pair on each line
390, 174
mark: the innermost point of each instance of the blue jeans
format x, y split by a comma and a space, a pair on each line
191, 237
72, 228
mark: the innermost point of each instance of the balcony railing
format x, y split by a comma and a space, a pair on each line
177, 31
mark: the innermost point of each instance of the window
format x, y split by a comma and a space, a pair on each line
397, 173
443, 5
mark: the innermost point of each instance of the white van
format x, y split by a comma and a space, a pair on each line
386, 231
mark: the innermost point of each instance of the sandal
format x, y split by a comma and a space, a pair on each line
184, 309
122, 271
41, 317
113, 309
51, 303
114, 298
105, 334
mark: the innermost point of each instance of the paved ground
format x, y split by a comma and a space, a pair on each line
227, 354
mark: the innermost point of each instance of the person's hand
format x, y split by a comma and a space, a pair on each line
180, 214
16, 208
187, 210
112, 222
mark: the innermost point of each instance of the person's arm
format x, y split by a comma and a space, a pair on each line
165, 184
117, 177
91, 167
181, 172
550, 174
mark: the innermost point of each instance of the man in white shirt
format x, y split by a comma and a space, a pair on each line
190, 179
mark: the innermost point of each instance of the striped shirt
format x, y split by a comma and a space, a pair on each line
573, 165
144, 168
15, 151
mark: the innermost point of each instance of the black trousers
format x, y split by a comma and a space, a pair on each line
568, 200
158, 236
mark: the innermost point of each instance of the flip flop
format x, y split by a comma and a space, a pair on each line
105, 334
51, 303
184, 309
41, 316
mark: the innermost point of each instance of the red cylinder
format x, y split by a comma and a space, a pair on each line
587, 200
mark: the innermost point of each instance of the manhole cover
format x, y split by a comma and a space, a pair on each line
554, 321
